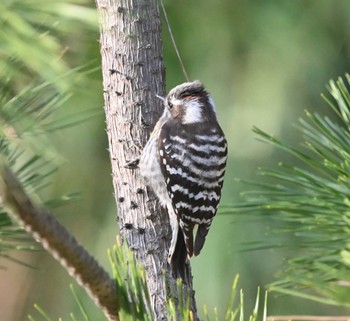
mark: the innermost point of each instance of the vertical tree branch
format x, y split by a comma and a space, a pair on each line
133, 73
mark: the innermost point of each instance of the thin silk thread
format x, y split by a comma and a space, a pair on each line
173, 42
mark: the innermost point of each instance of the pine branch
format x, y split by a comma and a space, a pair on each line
310, 202
59, 243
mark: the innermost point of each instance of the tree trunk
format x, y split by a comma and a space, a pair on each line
133, 73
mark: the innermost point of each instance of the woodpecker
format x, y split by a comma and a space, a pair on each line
184, 163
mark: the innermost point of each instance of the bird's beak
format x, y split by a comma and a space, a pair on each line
160, 97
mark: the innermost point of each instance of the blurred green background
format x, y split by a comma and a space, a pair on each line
263, 62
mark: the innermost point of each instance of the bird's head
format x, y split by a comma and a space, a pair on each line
190, 103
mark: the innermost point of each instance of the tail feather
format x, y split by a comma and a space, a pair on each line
179, 257
200, 239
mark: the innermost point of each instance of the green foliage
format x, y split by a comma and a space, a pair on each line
134, 297
234, 312
311, 203
25, 121
31, 47
135, 301
131, 285
46, 317
31, 37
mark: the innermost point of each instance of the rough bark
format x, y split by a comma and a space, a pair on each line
133, 73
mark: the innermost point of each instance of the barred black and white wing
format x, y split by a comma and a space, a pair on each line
192, 159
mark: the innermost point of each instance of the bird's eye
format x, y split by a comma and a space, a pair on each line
170, 104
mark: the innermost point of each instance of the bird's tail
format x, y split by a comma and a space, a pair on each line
178, 259
200, 238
